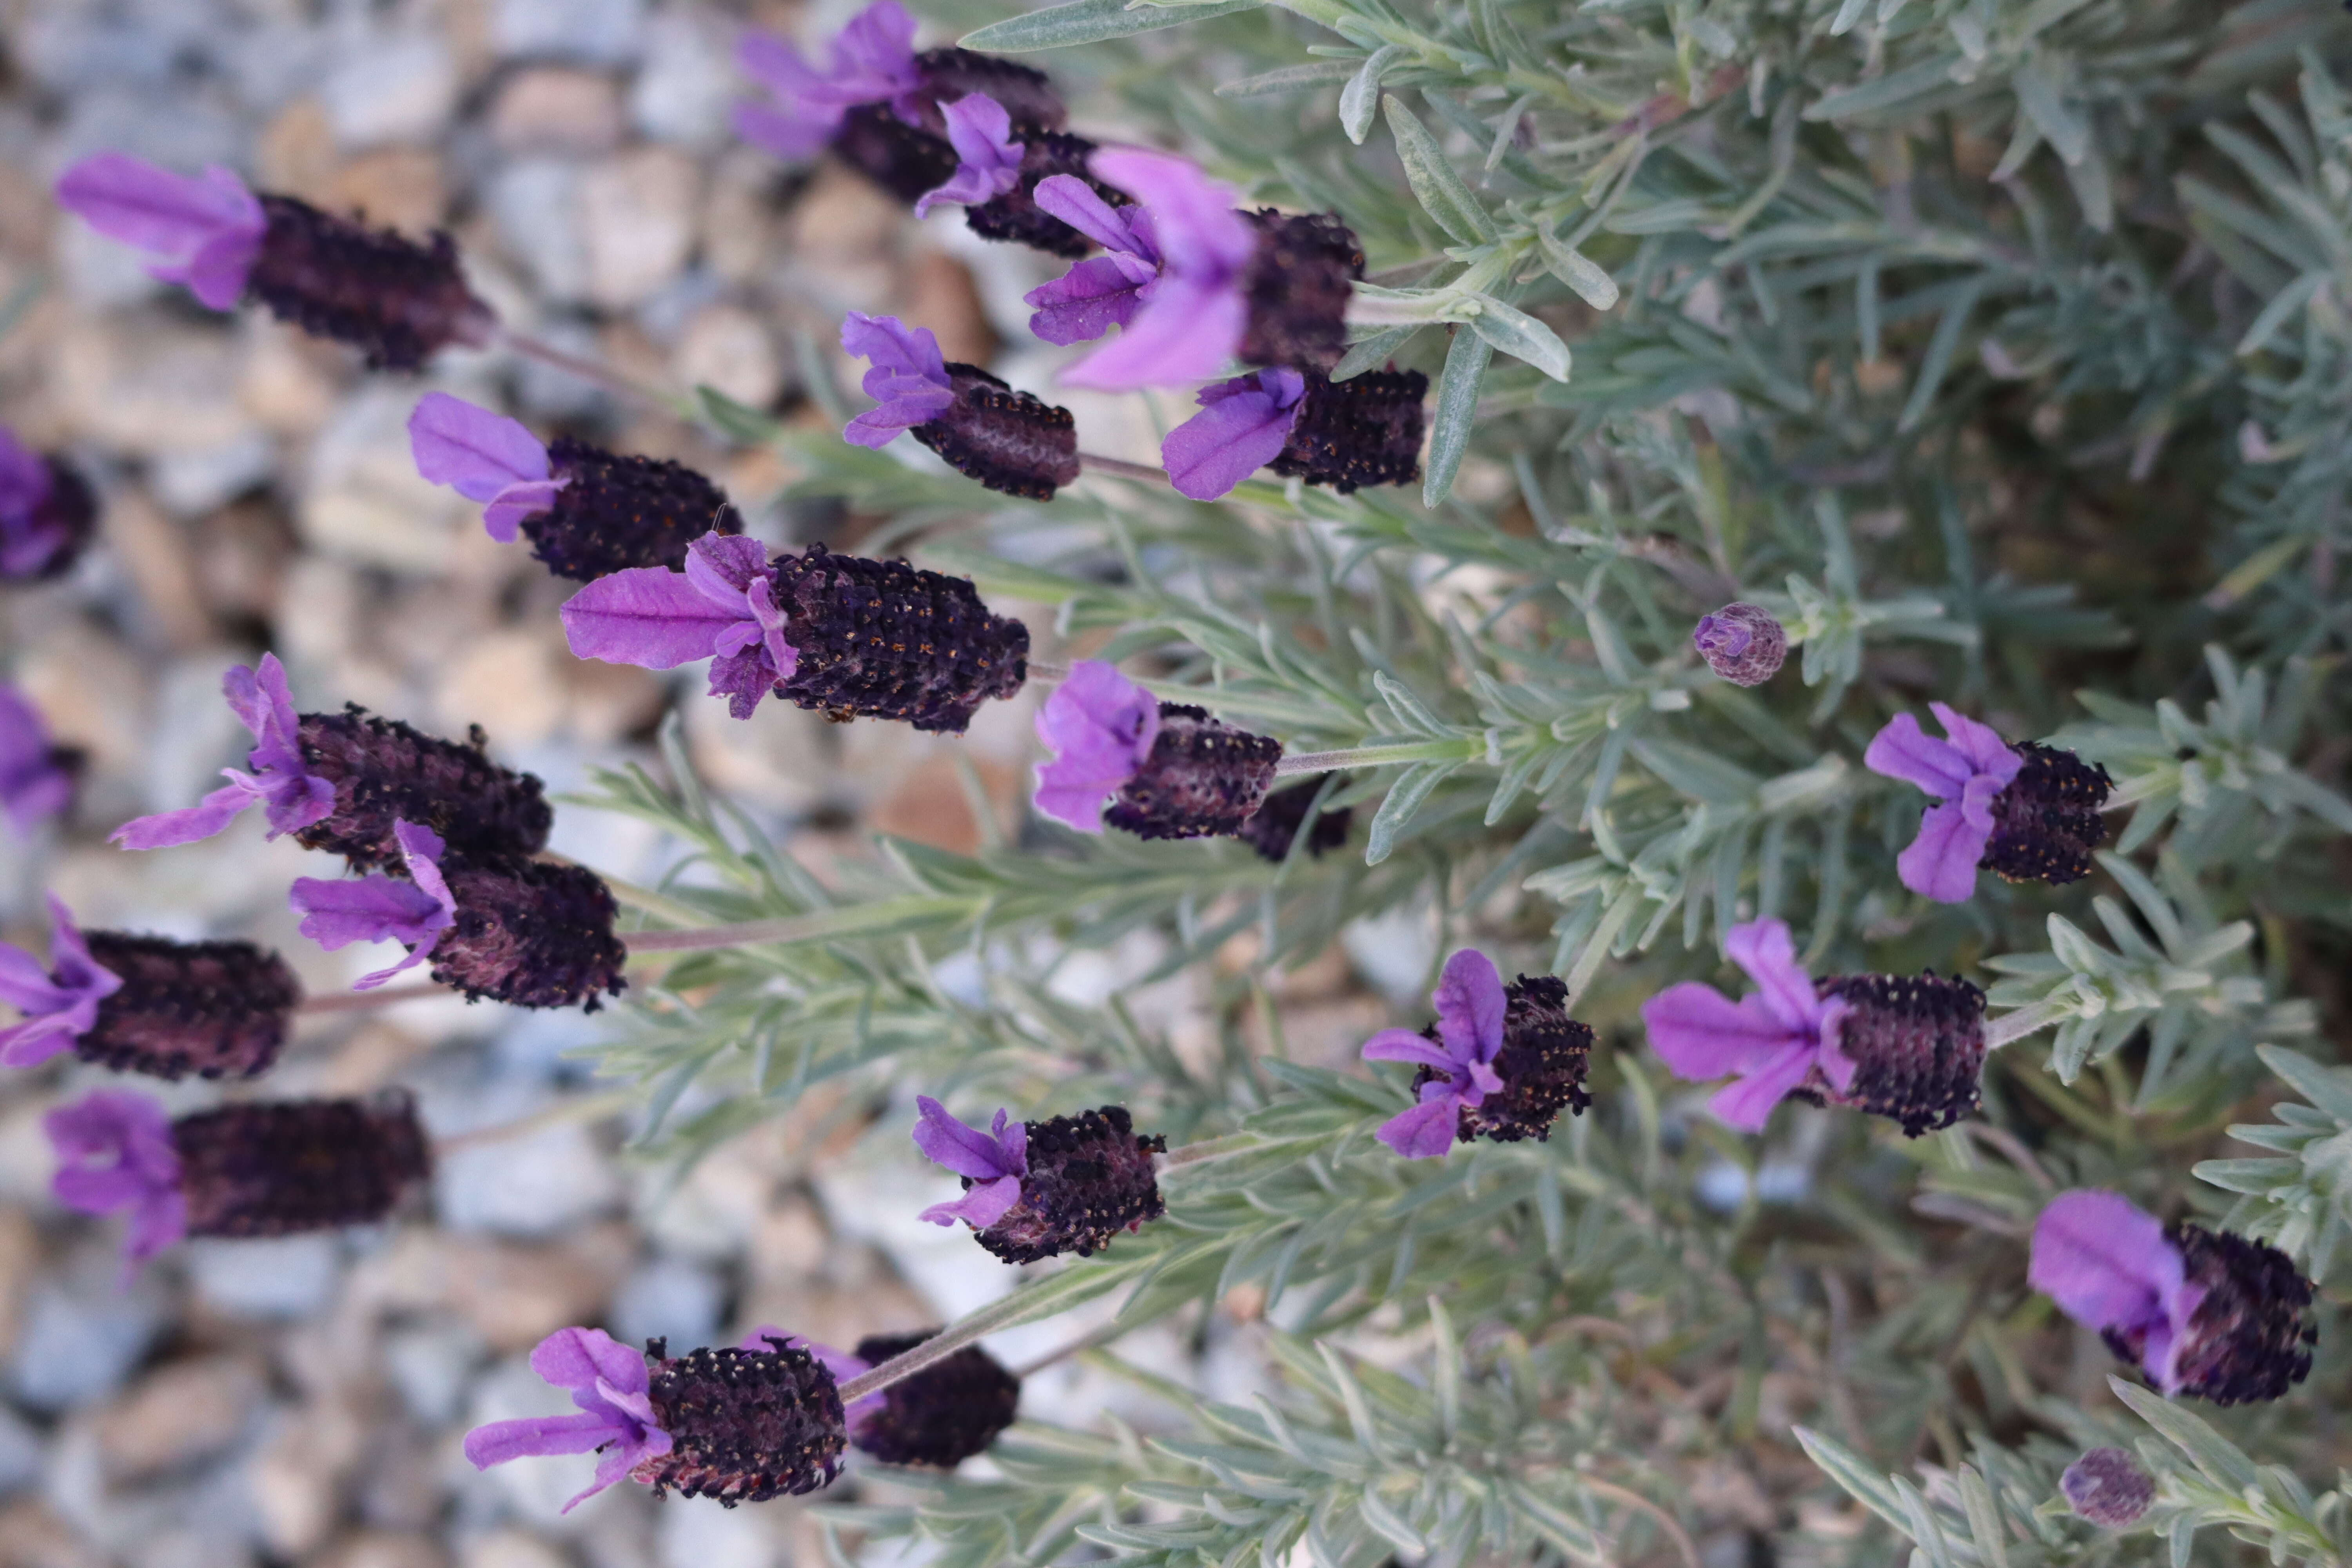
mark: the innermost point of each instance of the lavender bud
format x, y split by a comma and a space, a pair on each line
1089, 1177
530, 933
1741, 643
1203, 779
394, 300
1917, 1045
1008, 441
286, 1166
886, 641
1542, 1063
45, 540
384, 771
944, 1414
617, 511
2248, 1339
1015, 215
1026, 94
2107, 1487
744, 1426
1366, 430
1297, 286
2046, 820
1275, 824
904, 160
217, 1009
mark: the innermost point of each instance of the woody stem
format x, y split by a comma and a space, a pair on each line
1122, 467
360, 1001
609, 377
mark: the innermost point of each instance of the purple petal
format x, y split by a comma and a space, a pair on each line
217, 273
1090, 298
1722, 635
794, 132
722, 566
2105, 1261
1187, 331
185, 826
114, 1152
617, 1465
523, 499
1941, 862
578, 1358
30, 1042
1903, 750
60, 1003
1764, 950
875, 52
375, 907
1238, 431
1100, 726
1700, 1034
889, 345
1406, 1046
1199, 233
500, 1441
1748, 1104
205, 232
1470, 1006
472, 450
645, 616
1426, 1132
880, 426
1981, 745
1076, 202
980, 1207
988, 161
966, 1150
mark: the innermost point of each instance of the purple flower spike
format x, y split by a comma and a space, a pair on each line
1965, 772
987, 160
1187, 319
609, 1382
115, 1150
995, 1159
873, 61
1101, 727
290, 797
60, 1004
484, 456
2109, 1265
723, 607
376, 907
1470, 1009
1242, 426
202, 232
34, 786
909, 377
1772, 1038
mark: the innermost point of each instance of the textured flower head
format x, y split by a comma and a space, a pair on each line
35, 782
988, 157
1101, 727
873, 61
723, 607
115, 1151
204, 232
1366, 430
1470, 1009
610, 1384
1242, 426
46, 514
1772, 1039
1741, 643
993, 1161
840, 1362
2107, 1487
906, 376
415, 910
484, 456
59, 1004
216, 1009
940, 1417
1965, 773
289, 1167
291, 797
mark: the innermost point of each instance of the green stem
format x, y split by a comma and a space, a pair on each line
937, 1348
1381, 756
820, 925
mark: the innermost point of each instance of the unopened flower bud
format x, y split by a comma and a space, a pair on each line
2249, 1337
1741, 643
1542, 1062
384, 771
1037, 1189
2046, 820
1010, 441
47, 513
277, 1168
614, 511
2107, 1487
1366, 430
886, 640
530, 933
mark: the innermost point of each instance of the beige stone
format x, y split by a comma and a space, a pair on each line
941, 295
289, 380
638, 213
31, 1536
296, 1480
156, 553
511, 1549
392, 187
296, 152
514, 1294
384, 1549
725, 347
556, 108
177, 1415
510, 682
932, 804
20, 1254
143, 383
739, 221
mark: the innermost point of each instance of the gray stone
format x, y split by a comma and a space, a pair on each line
397, 87
687, 84
536, 1183
430, 1367
81, 1337
281, 1278
607, 31
534, 205
721, 1538
20, 1453
669, 1298
190, 484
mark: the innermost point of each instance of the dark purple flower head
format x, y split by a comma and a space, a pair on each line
746, 1423
2203, 1312
291, 1166
60, 1004
987, 156
723, 607
2107, 1487
484, 456
47, 513
291, 799
943, 1415
1008, 441
1344, 434
216, 1009
1741, 643
873, 62
609, 1382
2029, 812
1470, 1008
36, 778
1100, 727
384, 772
1201, 779
1066, 1185
205, 232
1276, 825
415, 910
1301, 277
995, 1159
115, 1151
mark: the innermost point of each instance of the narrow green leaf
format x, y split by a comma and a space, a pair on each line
1361, 96
1404, 798
1591, 282
1090, 22
1440, 189
1289, 78
1375, 351
1520, 335
1457, 412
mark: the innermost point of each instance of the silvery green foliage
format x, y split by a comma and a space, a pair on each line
2002, 349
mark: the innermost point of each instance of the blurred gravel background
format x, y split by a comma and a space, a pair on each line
301, 1402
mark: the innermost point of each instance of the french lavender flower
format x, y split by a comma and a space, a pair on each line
514, 929
36, 774
2027, 813
1501, 1062
147, 1004
1165, 770
253, 1169
47, 513
588, 512
1909, 1048
1741, 643
2107, 1487
845, 635
1342, 433
1037, 1189
338, 782
738, 1425
396, 301
1191, 282
940, 1417
1274, 826
2203, 1312
1007, 440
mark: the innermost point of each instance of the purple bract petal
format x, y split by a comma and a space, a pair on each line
645, 616
290, 798
1426, 1132
1941, 862
1901, 749
378, 908
1243, 424
1186, 330
1764, 949
2107, 1264
115, 1151
608, 1381
987, 160
1100, 726
32, 787
578, 1358
1076, 202
1965, 772
60, 1004
505, 511
909, 376
1408, 1046
202, 232
1771, 1040
1470, 1007
980, 1207
1090, 298
1745, 1103
1193, 223
472, 450
873, 60
967, 1151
